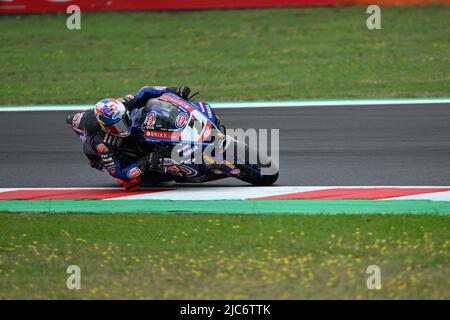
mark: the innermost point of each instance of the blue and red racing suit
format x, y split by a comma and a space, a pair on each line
101, 148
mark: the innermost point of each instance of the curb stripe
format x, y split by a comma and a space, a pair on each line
258, 104
356, 193
231, 193
70, 194
218, 193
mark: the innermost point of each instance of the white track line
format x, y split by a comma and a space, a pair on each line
7, 189
326, 103
256, 104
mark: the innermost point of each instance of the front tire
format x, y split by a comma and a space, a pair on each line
251, 173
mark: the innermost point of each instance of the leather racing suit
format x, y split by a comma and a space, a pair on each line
101, 148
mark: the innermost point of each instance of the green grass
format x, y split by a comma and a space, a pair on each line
299, 53
256, 257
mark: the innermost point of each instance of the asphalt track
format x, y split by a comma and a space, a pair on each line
320, 146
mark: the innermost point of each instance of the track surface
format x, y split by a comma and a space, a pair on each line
357, 145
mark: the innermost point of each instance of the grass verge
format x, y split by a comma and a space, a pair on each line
295, 53
224, 256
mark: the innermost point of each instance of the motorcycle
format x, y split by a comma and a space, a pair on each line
191, 145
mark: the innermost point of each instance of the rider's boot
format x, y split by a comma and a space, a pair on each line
132, 185
230, 169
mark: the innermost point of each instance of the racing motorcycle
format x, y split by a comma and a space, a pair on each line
191, 145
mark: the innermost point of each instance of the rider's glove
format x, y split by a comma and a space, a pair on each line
184, 92
150, 161
96, 165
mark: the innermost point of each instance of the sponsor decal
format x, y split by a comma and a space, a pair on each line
188, 171
208, 109
162, 135
202, 107
173, 169
235, 172
186, 151
181, 120
178, 102
180, 170
190, 151
134, 173
77, 118
101, 148
150, 120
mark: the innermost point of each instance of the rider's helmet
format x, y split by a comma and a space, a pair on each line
113, 117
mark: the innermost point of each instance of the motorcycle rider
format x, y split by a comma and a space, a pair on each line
103, 128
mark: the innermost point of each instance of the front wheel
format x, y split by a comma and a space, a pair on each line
254, 172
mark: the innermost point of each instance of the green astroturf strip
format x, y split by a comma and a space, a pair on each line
363, 100
229, 206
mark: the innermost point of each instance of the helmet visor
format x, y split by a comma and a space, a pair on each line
121, 128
